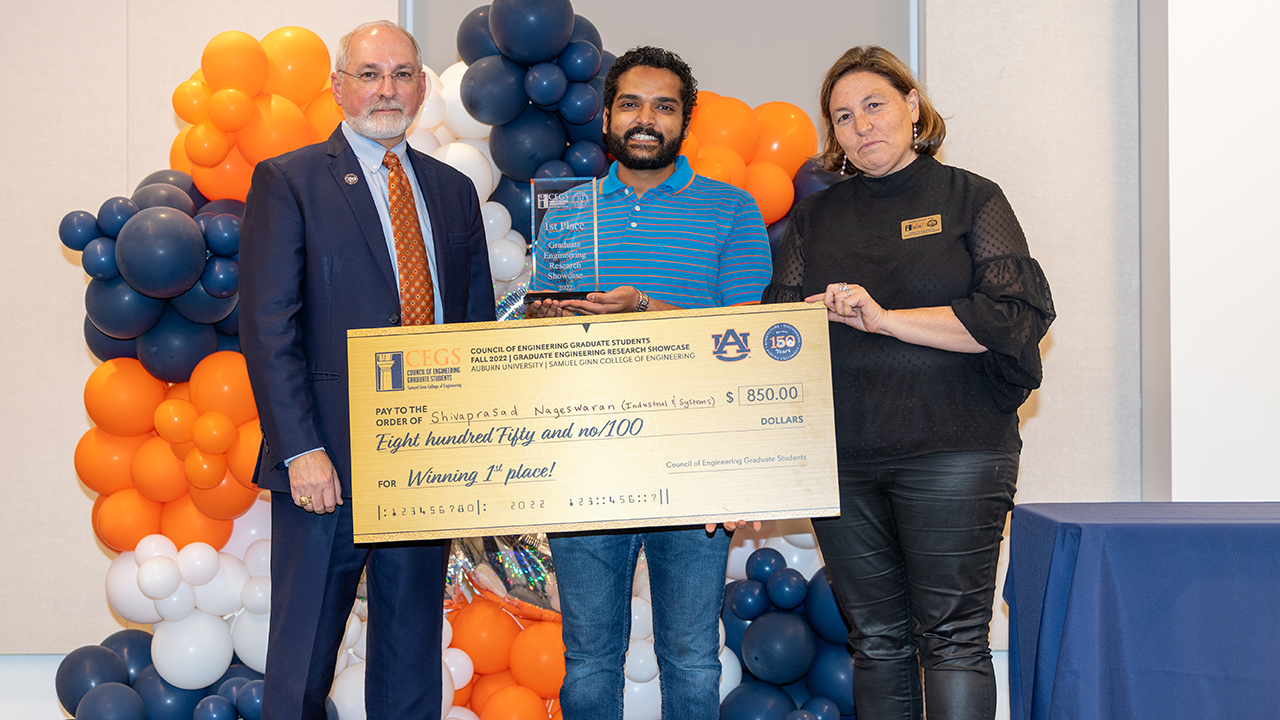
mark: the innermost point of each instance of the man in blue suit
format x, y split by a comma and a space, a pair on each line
358, 231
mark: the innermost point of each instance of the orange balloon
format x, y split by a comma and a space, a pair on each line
214, 433
242, 456
206, 145
183, 523
484, 686
462, 695
205, 470
771, 186
125, 518
234, 59
230, 109
537, 658
728, 121
297, 61
93, 515
178, 159
175, 419
102, 460
227, 500
278, 127
787, 136
730, 159
181, 450
710, 168
229, 180
156, 473
221, 382
324, 114
514, 703
121, 397
191, 101
178, 391
689, 148
485, 632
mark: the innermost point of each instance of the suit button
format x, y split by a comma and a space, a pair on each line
393, 318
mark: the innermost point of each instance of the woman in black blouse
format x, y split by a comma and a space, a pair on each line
937, 311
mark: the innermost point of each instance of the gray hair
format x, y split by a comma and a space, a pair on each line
340, 62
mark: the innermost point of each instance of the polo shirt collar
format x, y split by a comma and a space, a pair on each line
678, 181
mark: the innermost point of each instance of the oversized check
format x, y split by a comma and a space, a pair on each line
639, 419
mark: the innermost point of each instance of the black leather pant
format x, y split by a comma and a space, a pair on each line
912, 559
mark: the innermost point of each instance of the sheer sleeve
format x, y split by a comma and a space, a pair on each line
1009, 307
787, 283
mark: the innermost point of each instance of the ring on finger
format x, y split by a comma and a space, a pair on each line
844, 287
303, 500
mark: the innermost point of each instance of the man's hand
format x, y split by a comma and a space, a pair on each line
544, 309
314, 484
618, 300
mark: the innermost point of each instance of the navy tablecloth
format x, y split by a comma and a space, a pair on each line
1144, 610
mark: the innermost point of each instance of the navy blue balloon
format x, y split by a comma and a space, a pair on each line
516, 198
545, 84
198, 306
523, 144
84, 669
474, 39
776, 232
221, 277
330, 709
99, 259
734, 626
764, 562
228, 689
236, 670
164, 195
178, 179
173, 348
554, 169
492, 90
787, 588
165, 701
230, 325
798, 692
133, 646
120, 311
779, 647
822, 708
531, 31
748, 600
580, 104
202, 219
112, 701
225, 206
584, 29
756, 701
228, 343
78, 227
114, 213
104, 347
811, 178
823, 611
249, 700
590, 131
222, 234
161, 252
586, 158
800, 715
580, 61
831, 676
607, 59
214, 707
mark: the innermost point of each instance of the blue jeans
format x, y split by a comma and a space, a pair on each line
686, 581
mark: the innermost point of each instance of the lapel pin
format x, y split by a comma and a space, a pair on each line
351, 179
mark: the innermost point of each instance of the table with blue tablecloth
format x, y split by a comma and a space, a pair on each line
1144, 610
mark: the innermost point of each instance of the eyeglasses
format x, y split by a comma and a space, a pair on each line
400, 78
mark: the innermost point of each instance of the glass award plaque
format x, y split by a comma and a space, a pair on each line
566, 238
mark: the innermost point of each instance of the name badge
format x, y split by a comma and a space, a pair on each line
920, 227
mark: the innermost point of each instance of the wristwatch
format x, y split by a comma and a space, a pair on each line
643, 303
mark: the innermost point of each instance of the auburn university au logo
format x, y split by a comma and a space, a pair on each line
731, 345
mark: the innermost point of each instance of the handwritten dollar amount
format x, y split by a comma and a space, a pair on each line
792, 392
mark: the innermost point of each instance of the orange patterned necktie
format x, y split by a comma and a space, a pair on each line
417, 296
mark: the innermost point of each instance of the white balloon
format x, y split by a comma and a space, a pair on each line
123, 594
443, 136
456, 117
455, 70
798, 532
353, 632
640, 701
154, 546
482, 144
193, 652
506, 260
250, 527
446, 633
198, 563
348, 693
363, 641
159, 577
470, 162
436, 85
515, 237
805, 561
461, 713
433, 109
721, 624
745, 542
642, 662
640, 583
179, 605
641, 618
221, 595
249, 637
730, 672
257, 558
423, 139
344, 659
446, 690
460, 666
497, 220
255, 595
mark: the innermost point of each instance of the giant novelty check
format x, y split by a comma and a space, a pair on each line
641, 419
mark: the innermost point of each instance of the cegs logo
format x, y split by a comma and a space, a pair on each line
730, 345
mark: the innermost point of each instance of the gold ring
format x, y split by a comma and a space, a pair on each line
303, 500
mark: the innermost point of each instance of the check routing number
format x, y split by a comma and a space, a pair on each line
642, 419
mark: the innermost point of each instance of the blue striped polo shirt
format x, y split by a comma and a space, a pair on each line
691, 241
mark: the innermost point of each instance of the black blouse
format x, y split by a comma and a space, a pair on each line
928, 235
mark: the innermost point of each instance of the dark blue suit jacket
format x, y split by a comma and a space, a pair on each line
314, 264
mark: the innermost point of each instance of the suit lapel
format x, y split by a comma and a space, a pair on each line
344, 165
430, 187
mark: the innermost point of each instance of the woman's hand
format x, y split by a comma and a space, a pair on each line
853, 306
935, 327
731, 525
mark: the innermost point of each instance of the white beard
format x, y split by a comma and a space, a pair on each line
377, 127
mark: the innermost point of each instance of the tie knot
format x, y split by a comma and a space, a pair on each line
390, 160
